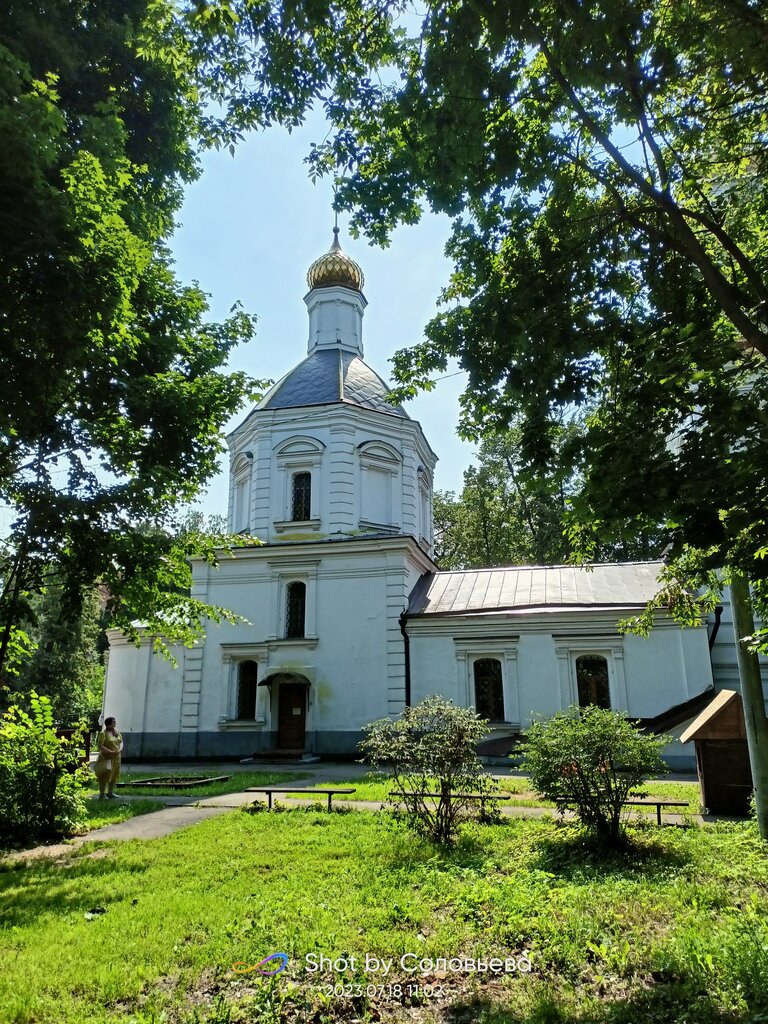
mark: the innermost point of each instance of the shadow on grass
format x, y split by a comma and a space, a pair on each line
30, 889
567, 850
406, 847
665, 1004
562, 848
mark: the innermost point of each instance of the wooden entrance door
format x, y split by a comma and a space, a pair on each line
291, 716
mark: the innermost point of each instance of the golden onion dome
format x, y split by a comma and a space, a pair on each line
335, 268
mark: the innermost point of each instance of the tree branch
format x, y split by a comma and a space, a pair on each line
730, 298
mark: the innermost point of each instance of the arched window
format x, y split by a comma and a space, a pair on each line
301, 497
380, 476
592, 680
241, 512
295, 606
247, 680
426, 530
489, 690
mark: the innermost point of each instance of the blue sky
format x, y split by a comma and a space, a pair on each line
249, 229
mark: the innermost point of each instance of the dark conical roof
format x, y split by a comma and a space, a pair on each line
330, 376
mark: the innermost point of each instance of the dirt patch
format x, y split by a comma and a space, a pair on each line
403, 1000
41, 852
63, 855
99, 854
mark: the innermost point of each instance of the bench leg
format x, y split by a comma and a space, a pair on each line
658, 815
329, 802
269, 801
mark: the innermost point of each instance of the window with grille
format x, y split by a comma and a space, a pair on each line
301, 497
296, 599
489, 689
592, 680
247, 681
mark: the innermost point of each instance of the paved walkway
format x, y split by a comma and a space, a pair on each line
183, 811
317, 769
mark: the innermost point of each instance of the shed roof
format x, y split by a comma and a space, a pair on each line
521, 587
705, 726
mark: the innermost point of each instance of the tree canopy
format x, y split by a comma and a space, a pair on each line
112, 387
66, 664
604, 163
112, 392
505, 516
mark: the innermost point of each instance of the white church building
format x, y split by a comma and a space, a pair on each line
347, 618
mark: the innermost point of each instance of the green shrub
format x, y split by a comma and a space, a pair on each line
432, 748
41, 782
590, 759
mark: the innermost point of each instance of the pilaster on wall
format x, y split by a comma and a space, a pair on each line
261, 525
564, 677
397, 600
341, 480
620, 679
192, 673
191, 689
410, 492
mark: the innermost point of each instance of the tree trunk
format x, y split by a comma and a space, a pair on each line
753, 699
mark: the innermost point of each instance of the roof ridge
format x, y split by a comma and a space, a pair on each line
555, 565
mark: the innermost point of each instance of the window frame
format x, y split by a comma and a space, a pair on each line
232, 655
291, 588
470, 649
497, 697
303, 499
426, 525
242, 477
606, 661
608, 646
282, 571
377, 456
239, 682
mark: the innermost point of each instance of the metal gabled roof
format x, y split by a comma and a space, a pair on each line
616, 584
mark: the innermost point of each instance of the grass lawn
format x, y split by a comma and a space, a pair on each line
674, 931
238, 782
377, 786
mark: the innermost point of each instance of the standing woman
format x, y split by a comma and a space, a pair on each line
107, 766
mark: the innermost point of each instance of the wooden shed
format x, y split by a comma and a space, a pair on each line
722, 758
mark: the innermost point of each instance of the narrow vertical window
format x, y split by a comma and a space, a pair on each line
296, 599
247, 681
592, 681
489, 689
242, 512
301, 497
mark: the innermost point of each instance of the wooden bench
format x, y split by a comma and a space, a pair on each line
658, 804
269, 790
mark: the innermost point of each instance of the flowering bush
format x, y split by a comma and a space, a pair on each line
432, 749
590, 759
41, 782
